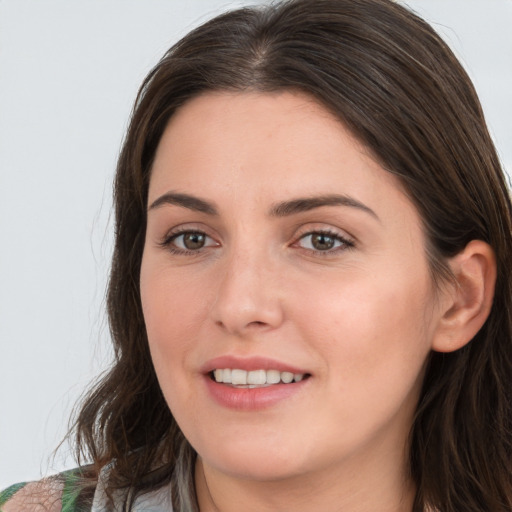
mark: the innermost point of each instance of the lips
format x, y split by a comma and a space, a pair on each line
249, 364
252, 383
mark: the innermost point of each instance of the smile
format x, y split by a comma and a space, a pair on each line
255, 378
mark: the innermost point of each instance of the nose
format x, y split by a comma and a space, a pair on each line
248, 299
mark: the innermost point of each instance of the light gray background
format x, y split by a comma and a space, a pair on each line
69, 71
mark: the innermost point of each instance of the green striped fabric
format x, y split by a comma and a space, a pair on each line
8, 493
70, 493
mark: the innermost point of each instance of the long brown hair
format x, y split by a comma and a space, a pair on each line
395, 84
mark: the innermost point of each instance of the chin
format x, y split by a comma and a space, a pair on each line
257, 470
255, 461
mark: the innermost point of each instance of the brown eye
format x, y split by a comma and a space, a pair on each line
322, 242
193, 241
190, 241
326, 242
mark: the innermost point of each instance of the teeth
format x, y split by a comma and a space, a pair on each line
273, 376
238, 377
287, 377
255, 378
226, 376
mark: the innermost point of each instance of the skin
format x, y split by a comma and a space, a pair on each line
360, 318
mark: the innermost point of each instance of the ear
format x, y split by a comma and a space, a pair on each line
466, 301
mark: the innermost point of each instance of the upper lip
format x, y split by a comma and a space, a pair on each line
248, 364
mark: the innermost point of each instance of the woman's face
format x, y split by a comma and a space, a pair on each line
277, 249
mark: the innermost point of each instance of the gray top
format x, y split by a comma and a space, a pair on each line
155, 501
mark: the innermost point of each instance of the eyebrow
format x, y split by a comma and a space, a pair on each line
185, 201
310, 203
283, 209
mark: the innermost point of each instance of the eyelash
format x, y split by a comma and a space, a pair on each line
345, 243
167, 242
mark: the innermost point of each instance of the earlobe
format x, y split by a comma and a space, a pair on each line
467, 301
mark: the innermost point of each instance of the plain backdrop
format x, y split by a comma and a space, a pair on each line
69, 72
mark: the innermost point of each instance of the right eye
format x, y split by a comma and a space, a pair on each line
189, 241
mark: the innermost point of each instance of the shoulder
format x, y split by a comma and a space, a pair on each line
65, 491
42, 496
79, 490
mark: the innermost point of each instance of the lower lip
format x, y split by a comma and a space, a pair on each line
251, 399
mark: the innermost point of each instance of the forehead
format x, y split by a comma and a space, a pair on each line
266, 146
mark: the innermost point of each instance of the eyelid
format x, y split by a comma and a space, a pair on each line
178, 235
347, 241
167, 240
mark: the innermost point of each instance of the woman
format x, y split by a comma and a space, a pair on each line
310, 295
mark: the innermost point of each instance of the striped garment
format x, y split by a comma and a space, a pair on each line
74, 500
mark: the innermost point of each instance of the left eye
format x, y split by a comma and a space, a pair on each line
319, 241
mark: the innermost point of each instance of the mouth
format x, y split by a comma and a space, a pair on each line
253, 383
243, 379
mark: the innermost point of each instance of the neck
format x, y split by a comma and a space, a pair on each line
363, 489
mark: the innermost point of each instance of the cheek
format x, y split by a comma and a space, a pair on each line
172, 313
171, 303
374, 347
371, 330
